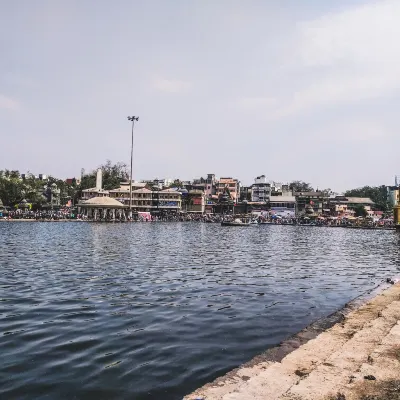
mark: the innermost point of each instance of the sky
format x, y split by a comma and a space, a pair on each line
295, 90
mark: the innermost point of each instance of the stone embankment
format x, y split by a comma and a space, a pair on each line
358, 358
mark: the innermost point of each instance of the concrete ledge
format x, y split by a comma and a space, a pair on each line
322, 359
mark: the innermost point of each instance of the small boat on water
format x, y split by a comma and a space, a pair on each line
236, 222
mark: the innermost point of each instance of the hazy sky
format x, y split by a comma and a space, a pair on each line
291, 89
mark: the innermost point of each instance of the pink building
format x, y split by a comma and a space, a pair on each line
230, 183
210, 186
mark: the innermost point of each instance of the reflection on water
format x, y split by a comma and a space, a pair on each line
151, 311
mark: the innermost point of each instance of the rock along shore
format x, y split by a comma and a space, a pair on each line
354, 354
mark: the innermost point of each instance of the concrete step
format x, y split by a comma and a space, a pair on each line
334, 361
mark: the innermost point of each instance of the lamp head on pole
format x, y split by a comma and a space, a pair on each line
133, 118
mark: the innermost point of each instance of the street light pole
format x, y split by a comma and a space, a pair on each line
133, 119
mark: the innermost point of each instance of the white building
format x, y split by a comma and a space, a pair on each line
280, 189
260, 190
146, 200
159, 183
284, 206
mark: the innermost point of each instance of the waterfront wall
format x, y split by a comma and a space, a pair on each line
355, 352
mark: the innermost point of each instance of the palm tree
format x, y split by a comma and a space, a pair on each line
187, 201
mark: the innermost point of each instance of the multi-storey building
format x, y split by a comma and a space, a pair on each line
197, 184
283, 205
313, 201
210, 188
280, 189
195, 201
228, 183
159, 183
41, 177
144, 199
260, 190
207, 185
245, 193
343, 205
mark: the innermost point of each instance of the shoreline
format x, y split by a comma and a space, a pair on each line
42, 220
267, 224
331, 356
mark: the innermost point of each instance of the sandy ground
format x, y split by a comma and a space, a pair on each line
358, 358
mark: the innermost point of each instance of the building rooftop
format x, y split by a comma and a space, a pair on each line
169, 191
134, 184
195, 191
126, 185
315, 194
144, 190
282, 199
95, 190
120, 189
354, 200
102, 202
226, 180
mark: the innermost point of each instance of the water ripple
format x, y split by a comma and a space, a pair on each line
149, 311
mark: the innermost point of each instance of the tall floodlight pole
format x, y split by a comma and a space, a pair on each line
133, 119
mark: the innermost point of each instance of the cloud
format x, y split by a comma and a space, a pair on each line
255, 103
171, 85
8, 104
351, 131
342, 58
352, 37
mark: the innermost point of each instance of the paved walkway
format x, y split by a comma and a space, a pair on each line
358, 358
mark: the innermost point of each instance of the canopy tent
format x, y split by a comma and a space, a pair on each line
144, 216
24, 204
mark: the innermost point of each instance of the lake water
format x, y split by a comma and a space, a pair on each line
154, 310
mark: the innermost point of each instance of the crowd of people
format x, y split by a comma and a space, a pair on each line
68, 214
347, 222
48, 215
181, 217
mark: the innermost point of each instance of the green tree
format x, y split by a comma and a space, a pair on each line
88, 181
11, 188
177, 183
300, 186
113, 175
378, 194
187, 201
360, 211
327, 191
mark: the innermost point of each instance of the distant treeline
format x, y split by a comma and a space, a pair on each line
13, 189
